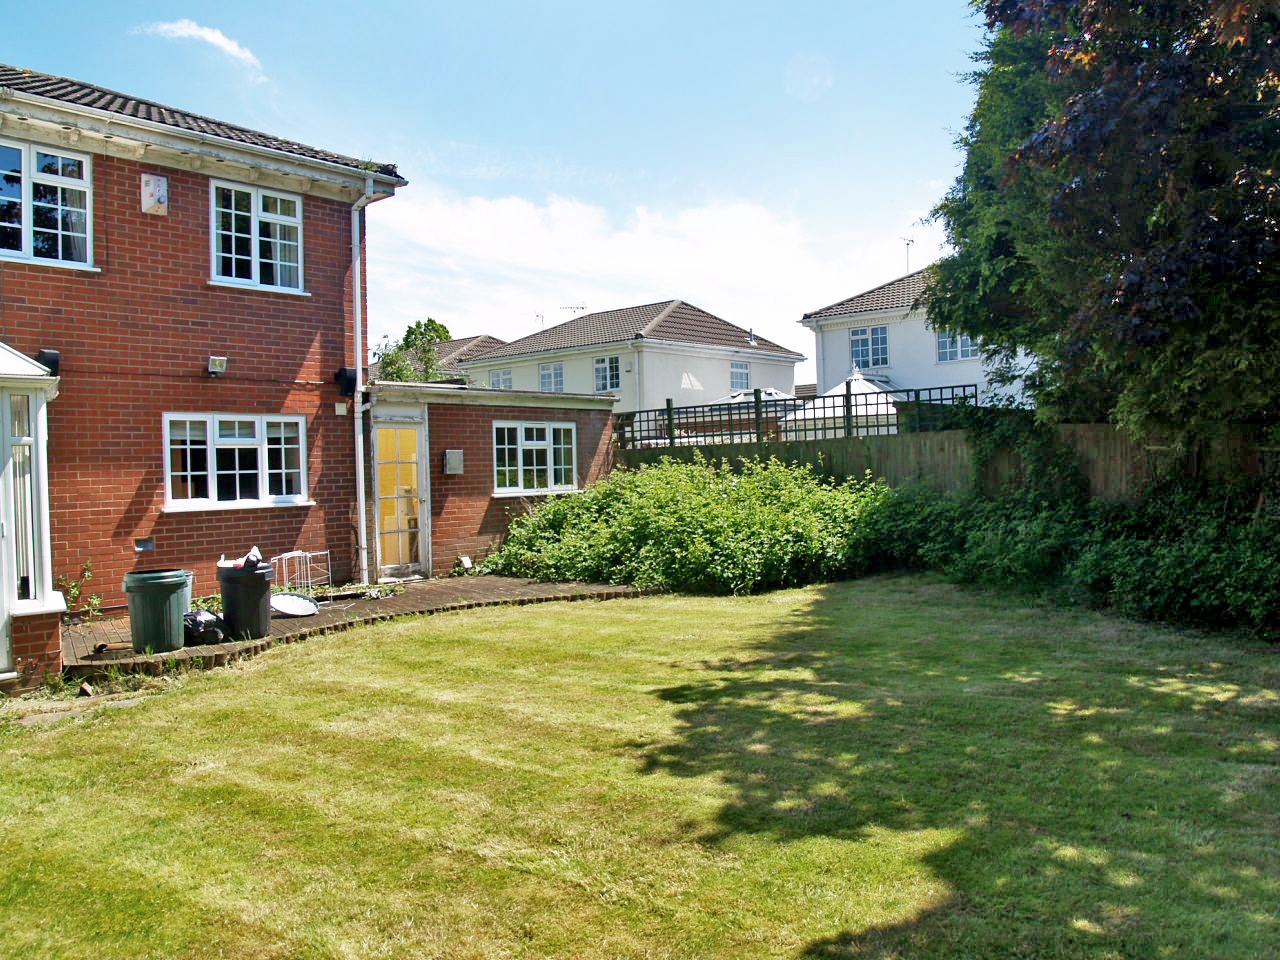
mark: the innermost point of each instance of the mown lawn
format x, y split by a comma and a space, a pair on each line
886, 768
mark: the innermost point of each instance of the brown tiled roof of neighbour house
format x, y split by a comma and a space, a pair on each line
449, 353
109, 101
806, 391
669, 320
453, 352
896, 294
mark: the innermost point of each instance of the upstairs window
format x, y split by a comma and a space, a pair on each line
739, 375
869, 347
534, 457
500, 379
46, 204
257, 237
551, 377
608, 374
955, 346
218, 461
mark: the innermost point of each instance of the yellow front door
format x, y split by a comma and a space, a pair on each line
399, 500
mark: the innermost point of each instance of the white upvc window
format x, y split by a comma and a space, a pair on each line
608, 372
739, 375
955, 346
500, 379
869, 347
534, 457
255, 236
224, 461
551, 377
46, 204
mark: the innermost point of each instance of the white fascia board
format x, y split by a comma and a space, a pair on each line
486, 396
866, 318
546, 356
717, 350
68, 121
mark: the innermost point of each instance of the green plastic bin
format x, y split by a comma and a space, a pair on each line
157, 601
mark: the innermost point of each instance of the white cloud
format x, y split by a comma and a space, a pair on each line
185, 29
807, 76
492, 266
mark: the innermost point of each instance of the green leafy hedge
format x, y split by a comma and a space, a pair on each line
1181, 555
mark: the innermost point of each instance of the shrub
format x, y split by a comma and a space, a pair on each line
700, 527
1182, 554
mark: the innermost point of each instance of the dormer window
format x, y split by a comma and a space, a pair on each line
46, 204
257, 237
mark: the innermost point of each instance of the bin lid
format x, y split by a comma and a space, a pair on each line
262, 570
294, 604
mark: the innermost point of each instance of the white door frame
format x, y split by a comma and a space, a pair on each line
424, 497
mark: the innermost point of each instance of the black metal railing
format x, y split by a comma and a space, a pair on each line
759, 419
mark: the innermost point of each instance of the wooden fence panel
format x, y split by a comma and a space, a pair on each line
1116, 466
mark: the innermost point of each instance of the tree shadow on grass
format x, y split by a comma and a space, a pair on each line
1107, 791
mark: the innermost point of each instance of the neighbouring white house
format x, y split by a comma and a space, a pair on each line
880, 334
644, 355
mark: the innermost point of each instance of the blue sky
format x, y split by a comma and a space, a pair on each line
755, 159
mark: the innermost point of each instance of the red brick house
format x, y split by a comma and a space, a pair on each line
190, 288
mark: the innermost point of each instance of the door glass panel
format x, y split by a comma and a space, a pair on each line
398, 491
23, 519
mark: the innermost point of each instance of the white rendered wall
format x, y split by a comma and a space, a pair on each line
913, 353
690, 378
657, 372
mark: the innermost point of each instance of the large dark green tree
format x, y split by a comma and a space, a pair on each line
1118, 214
412, 358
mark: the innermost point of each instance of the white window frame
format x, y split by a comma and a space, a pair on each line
35, 539
608, 374
956, 346
259, 219
536, 447
739, 375
871, 342
264, 470
26, 201
551, 377
500, 379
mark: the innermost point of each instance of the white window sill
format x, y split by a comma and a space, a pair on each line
54, 603
205, 507
513, 494
258, 288
56, 264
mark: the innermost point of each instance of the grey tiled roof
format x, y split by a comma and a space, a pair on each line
109, 101
896, 294
450, 353
669, 320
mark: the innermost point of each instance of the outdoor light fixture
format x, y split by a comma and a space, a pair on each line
345, 378
217, 366
52, 359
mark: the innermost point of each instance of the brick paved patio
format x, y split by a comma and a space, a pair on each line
89, 649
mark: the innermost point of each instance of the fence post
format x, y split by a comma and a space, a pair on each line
759, 418
848, 409
671, 423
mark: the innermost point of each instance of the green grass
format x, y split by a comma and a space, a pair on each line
886, 768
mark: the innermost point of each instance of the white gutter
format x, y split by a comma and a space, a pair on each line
357, 356
214, 147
